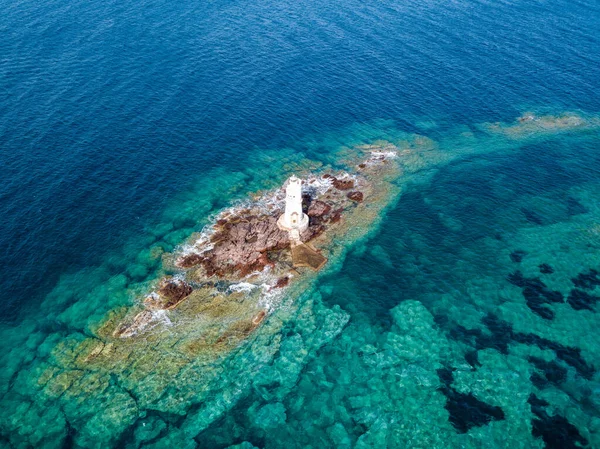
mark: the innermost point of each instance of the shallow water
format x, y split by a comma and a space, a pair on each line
464, 317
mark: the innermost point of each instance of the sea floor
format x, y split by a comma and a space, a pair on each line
461, 312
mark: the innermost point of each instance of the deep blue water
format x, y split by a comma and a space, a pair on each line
113, 113
108, 108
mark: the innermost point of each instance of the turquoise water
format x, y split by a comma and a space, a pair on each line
464, 317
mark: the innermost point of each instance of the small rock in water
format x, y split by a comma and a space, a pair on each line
318, 209
282, 282
355, 196
343, 184
174, 291
527, 118
546, 269
260, 316
336, 216
190, 260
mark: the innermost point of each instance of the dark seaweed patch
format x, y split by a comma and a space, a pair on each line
532, 217
539, 381
441, 320
517, 256
501, 334
546, 269
536, 402
571, 356
479, 339
580, 300
587, 280
472, 358
553, 372
556, 431
536, 303
536, 294
446, 375
574, 207
466, 411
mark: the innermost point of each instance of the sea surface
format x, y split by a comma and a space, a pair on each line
467, 315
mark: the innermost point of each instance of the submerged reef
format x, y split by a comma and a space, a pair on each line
588, 280
555, 430
434, 334
536, 294
466, 411
532, 124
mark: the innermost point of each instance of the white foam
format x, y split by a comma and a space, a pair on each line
245, 287
317, 185
160, 316
389, 154
179, 278
200, 246
270, 297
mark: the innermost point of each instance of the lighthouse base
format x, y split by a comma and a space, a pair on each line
304, 255
301, 226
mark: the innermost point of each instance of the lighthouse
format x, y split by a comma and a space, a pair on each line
293, 219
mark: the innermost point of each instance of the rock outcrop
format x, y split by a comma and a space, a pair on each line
242, 242
356, 196
318, 209
282, 282
139, 323
346, 183
240, 245
174, 291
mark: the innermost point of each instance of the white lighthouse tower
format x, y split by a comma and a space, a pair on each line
293, 220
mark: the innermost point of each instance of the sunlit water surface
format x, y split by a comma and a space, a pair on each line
467, 315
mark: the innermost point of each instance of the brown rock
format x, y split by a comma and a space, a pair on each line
318, 209
343, 184
240, 244
313, 231
336, 216
174, 291
243, 245
260, 316
153, 302
356, 196
189, 260
257, 263
282, 282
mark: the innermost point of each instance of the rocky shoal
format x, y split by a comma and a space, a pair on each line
244, 244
